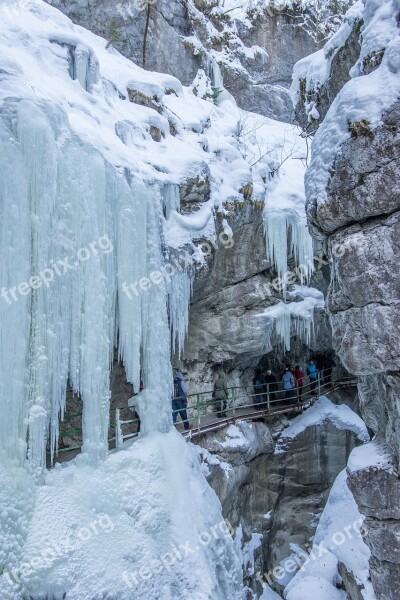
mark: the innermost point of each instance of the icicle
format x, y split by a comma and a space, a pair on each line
62, 201
180, 277
180, 291
213, 71
86, 67
288, 320
287, 235
171, 198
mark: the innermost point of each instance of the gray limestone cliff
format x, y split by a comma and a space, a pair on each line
361, 213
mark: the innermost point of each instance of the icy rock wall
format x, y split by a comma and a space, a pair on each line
256, 52
60, 197
353, 203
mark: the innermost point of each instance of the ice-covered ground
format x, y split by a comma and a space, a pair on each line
144, 524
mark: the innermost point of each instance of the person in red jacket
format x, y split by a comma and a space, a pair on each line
299, 377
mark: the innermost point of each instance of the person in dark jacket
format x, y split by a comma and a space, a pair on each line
221, 394
179, 401
259, 388
270, 385
299, 377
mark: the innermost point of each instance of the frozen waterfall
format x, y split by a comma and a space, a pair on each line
74, 231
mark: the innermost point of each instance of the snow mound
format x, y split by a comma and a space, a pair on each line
370, 455
133, 528
341, 416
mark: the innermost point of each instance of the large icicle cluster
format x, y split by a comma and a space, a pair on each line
285, 221
69, 202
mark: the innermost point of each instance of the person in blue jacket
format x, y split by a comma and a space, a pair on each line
312, 373
289, 385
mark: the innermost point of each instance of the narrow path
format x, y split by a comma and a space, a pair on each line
203, 416
255, 412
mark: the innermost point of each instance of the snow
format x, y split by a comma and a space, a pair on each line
372, 455
364, 97
183, 229
341, 416
338, 538
208, 459
235, 439
316, 588
111, 536
307, 292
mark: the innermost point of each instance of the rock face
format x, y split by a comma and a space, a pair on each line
360, 221
362, 216
278, 495
322, 96
123, 23
182, 37
377, 490
229, 296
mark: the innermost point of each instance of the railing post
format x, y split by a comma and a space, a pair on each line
119, 438
268, 399
198, 408
233, 402
319, 384
298, 395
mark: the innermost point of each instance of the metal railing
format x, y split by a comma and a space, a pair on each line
206, 413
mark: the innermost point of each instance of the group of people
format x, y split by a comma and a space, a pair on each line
292, 380
266, 387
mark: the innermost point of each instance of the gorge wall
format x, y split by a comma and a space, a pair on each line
356, 204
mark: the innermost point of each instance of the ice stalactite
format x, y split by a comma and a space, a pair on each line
287, 236
180, 291
292, 319
213, 71
179, 272
171, 198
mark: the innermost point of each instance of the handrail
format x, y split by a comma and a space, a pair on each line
265, 403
